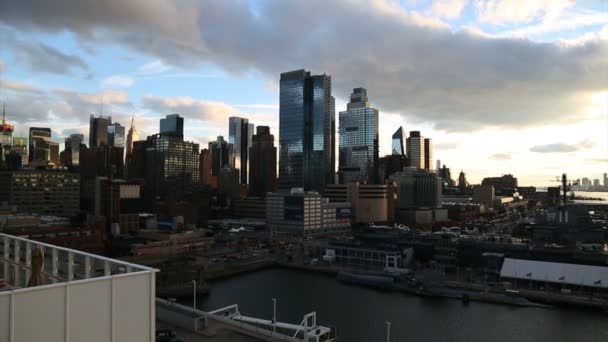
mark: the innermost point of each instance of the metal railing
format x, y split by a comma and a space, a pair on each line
60, 264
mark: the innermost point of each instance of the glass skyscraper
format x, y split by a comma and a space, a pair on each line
358, 134
116, 135
306, 119
398, 142
72, 150
240, 132
172, 124
98, 130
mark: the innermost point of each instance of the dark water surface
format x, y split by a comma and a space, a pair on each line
359, 313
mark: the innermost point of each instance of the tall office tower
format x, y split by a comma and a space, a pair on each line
205, 168
116, 135
358, 158
606, 181
332, 148
240, 132
397, 142
54, 153
98, 130
20, 147
132, 136
6, 130
71, 151
428, 154
172, 166
263, 163
462, 181
6, 136
415, 150
173, 124
438, 165
40, 139
220, 151
305, 128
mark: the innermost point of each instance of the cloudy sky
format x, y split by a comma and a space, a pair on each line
501, 86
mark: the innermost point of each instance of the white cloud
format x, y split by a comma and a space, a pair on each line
154, 67
499, 12
448, 8
568, 20
122, 81
188, 107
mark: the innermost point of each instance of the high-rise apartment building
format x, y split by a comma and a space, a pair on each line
358, 134
415, 150
240, 132
263, 163
173, 124
98, 130
306, 119
428, 154
397, 142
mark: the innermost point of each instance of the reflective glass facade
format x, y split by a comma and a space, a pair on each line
72, 149
240, 132
116, 135
398, 142
173, 124
358, 134
98, 130
306, 118
170, 160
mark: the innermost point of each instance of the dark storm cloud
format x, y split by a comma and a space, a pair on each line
410, 64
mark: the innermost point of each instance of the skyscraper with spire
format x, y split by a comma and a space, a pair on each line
6, 135
132, 136
6, 130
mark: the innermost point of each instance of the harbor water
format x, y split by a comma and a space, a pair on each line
359, 314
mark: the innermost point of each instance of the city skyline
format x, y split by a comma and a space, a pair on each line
515, 137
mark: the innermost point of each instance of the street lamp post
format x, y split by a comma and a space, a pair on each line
274, 315
194, 293
388, 331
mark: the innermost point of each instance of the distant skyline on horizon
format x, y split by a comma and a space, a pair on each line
500, 86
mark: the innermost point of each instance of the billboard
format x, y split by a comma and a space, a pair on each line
18, 141
293, 208
343, 213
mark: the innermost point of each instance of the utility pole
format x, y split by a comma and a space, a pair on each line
194, 293
274, 315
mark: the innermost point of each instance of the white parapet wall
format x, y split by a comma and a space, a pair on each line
106, 301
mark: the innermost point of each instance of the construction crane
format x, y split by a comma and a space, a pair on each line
566, 186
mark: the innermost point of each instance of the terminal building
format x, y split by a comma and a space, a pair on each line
306, 213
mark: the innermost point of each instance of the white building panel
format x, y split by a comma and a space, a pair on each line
554, 272
90, 312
